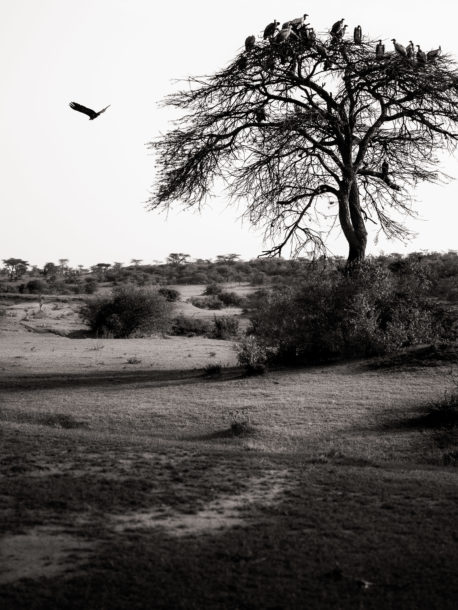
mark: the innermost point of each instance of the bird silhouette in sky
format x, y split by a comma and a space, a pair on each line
92, 114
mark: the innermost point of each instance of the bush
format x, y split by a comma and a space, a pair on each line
36, 286
230, 299
90, 285
213, 289
130, 310
252, 355
333, 314
170, 294
190, 327
225, 327
212, 302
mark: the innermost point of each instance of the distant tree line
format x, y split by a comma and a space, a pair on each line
17, 275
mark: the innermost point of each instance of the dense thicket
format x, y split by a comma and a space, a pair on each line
331, 314
128, 311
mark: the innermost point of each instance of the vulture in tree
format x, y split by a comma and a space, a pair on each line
299, 22
92, 114
434, 54
249, 43
260, 114
284, 34
385, 168
380, 50
242, 63
311, 34
358, 35
400, 50
337, 28
410, 50
271, 29
421, 55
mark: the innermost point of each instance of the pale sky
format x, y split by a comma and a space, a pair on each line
74, 188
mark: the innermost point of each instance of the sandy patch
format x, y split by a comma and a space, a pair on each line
224, 512
42, 552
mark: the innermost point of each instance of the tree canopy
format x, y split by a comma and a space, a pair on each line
308, 131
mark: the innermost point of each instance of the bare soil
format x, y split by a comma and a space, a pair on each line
122, 486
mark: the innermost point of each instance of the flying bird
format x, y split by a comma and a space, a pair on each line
92, 114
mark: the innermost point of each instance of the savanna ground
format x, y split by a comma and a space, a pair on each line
123, 484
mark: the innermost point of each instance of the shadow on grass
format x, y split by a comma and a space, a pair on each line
117, 378
429, 355
54, 420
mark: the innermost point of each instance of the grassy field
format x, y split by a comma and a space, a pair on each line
131, 478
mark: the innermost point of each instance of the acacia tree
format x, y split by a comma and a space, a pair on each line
307, 132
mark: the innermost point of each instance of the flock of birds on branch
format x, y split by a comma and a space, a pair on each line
298, 29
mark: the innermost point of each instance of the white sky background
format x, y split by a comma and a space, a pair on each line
74, 188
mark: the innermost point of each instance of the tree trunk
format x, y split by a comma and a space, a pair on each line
352, 223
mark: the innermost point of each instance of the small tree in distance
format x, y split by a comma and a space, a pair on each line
308, 132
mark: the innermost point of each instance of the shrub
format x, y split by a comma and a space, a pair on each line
190, 327
225, 327
130, 310
170, 294
213, 289
212, 302
90, 285
36, 286
230, 299
213, 369
241, 424
333, 314
252, 355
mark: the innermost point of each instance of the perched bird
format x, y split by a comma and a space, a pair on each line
249, 43
260, 114
271, 29
410, 50
311, 34
357, 35
299, 22
241, 63
434, 54
337, 28
385, 168
92, 114
421, 55
400, 50
284, 34
380, 50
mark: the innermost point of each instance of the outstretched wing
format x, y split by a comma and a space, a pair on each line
103, 110
90, 113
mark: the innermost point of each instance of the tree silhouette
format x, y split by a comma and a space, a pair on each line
307, 133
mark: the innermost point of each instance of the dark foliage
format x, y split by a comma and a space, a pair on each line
225, 327
169, 294
130, 310
333, 314
190, 327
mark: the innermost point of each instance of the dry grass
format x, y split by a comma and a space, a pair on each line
123, 485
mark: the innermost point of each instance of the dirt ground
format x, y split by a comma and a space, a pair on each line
123, 484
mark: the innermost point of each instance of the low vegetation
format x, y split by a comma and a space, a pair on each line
129, 311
